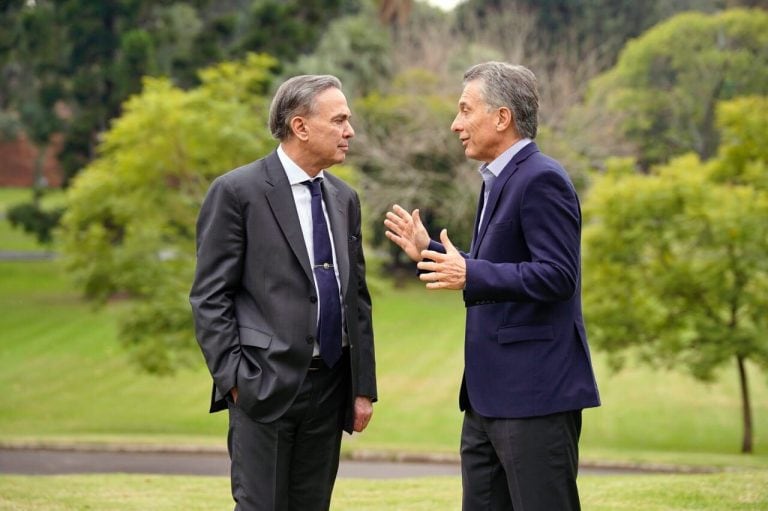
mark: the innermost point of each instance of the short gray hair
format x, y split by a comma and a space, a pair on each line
511, 86
296, 96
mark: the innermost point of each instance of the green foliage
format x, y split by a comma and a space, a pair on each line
409, 156
35, 220
675, 265
743, 152
356, 49
665, 85
675, 260
129, 225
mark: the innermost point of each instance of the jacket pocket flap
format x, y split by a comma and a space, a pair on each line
519, 333
253, 337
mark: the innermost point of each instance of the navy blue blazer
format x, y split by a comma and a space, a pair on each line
526, 351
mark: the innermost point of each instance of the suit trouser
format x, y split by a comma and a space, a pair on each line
291, 464
520, 464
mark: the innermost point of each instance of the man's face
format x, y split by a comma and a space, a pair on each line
329, 128
476, 125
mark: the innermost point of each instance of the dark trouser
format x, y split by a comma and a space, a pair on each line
291, 464
520, 464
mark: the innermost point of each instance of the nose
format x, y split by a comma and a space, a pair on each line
349, 131
456, 125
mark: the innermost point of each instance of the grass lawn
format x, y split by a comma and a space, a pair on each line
118, 492
64, 377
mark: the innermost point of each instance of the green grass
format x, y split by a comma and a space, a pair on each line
64, 378
718, 492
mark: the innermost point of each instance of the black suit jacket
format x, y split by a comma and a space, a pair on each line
253, 298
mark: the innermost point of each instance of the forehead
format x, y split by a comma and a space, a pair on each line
331, 102
472, 95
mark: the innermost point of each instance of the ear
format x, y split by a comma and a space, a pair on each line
503, 119
299, 128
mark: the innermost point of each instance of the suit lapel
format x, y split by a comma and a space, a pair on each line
338, 218
281, 201
498, 186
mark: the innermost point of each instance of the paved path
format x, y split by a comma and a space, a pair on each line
41, 461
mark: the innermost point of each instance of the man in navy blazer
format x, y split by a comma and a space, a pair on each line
527, 372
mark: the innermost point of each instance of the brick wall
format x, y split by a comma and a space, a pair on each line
17, 162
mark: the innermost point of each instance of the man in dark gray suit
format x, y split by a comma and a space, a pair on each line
282, 313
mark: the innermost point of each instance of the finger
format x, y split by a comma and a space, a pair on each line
397, 240
427, 265
393, 219
432, 277
401, 212
428, 277
446, 241
434, 256
391, 224
416, 217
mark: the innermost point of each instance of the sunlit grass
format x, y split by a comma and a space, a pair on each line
717, 492
51, 340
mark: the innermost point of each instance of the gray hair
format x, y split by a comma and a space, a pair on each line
296, 96
511, 86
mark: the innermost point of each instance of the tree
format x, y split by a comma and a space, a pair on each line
129, 225
356, 49
663, 90
675, 264
578, 28
406, 150
29, 98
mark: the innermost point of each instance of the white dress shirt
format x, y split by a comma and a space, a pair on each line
303, 200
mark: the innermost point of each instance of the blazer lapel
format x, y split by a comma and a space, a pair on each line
498, 186
281, 201
339, 228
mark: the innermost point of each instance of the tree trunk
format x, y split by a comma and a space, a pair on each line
746, 409
39, 183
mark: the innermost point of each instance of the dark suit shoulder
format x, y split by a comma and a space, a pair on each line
261, 174
245, 173
539, 163
338, 182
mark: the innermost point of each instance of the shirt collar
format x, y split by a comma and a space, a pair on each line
295, 174
497, 165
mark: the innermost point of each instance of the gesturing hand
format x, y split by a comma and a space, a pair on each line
406, 231
445, 271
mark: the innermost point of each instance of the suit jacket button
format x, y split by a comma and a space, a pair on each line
310, 339
313, 299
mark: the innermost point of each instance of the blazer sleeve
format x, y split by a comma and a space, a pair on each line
366, 384
550, 222
220, 249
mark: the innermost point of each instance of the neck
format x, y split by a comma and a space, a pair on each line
293, 148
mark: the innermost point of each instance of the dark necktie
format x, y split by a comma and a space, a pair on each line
329, 327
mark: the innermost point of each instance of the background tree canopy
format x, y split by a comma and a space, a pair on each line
664, 88
172, 97
675, 261
129, 227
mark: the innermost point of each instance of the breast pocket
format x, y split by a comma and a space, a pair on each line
510, 225
521, 333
